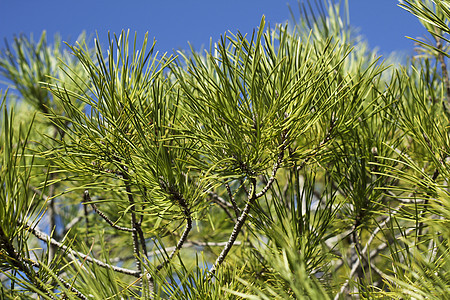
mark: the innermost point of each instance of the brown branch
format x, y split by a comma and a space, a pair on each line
237, 228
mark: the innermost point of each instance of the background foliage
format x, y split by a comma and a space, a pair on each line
289, 164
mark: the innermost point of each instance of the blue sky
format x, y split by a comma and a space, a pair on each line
175, 23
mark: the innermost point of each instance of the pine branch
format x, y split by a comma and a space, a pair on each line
251, 198
44, 237
233, 201
20, 263
74, 290
237, 228
137, 231
276, 166
187, 214
87, 199
222, 203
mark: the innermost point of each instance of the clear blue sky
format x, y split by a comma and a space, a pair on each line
174, 23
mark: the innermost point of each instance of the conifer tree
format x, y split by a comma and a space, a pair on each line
291, 163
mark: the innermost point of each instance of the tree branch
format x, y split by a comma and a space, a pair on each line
233, 201
237, 228
137, 233
87, 199
20, 263
222, 203
187, 213
276, 166
44, 237
74, 290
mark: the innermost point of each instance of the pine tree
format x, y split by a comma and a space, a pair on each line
292, 163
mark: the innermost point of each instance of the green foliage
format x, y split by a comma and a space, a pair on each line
291, 163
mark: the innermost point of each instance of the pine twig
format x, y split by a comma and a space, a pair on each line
46, 238
187, 213
137, 231
87, 199
251, 199
237, 228
222, 203
276, 166
233, 201
74, 290
19, 262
